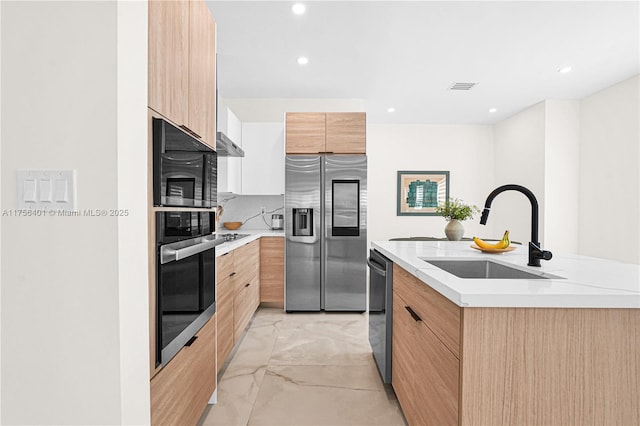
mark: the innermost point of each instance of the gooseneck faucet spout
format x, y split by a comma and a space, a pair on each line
535, 252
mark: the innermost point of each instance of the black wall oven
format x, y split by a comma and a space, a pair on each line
185, 293
184, 169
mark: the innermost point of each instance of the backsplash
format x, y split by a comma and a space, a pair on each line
238, 208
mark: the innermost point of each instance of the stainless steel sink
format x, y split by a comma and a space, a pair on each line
486, 269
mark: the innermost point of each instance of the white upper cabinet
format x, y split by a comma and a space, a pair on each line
263, 161
230, 168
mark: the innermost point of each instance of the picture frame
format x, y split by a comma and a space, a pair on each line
420, 192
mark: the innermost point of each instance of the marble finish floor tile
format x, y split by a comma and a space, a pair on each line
322, 339
324, 395
303, 369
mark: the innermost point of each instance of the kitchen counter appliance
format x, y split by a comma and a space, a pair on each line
185, 279
381, 311
184, 169
277, 221
326, 233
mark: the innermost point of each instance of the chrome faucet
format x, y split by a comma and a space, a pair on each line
535, 252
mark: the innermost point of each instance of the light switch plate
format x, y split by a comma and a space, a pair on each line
46, 189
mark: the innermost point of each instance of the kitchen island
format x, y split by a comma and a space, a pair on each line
564, 350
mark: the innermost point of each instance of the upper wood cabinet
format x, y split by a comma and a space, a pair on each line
305, 132
202, 68
346, 132
331, 132
169, 59
182, 65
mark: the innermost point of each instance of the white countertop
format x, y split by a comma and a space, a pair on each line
254, 234
588, 282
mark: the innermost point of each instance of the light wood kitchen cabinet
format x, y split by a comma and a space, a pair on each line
331, 132
182, 65
305, 132
425, 370
272, 271
181, 390
169, 59
346, 132
238, 295
247, 285
202, 68
511, 366
425, 373
225, 305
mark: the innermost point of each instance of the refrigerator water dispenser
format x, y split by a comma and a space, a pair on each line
302, 222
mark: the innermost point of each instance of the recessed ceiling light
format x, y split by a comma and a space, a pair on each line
493, 109
303, 60
564, 70
298, 8
391, 109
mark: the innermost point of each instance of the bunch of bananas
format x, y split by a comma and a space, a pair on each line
502, 244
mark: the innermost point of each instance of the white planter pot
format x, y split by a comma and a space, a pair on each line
454, 230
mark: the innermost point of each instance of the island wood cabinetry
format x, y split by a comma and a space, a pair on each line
180, 392
330, 132
182, 85
238, 294
515, 366
272, 271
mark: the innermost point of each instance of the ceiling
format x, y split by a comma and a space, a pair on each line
406, 55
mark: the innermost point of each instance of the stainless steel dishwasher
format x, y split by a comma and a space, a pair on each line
381, 311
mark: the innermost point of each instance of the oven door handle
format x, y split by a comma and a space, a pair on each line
168, 254
376, 267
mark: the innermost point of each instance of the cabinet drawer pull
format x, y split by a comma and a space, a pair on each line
224, 254
415, 316
190, 341
247, 284
232, 274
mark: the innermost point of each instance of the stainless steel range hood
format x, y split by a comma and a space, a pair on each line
226, 148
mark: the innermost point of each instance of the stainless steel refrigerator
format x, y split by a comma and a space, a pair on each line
326, 232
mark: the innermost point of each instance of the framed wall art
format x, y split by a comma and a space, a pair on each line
419, 193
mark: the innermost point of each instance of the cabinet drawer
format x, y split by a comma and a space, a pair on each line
425, 373
181, 390
246, 300
438, 313
247, 258
224, 304
225, 265
402, 375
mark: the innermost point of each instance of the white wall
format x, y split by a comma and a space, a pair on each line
466, 151
133, 277
609, 220
562, 174
75, 337
519, 159
273, 109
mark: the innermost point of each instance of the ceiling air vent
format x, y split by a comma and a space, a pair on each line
462, 86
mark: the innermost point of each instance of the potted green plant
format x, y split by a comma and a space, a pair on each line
455, 211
